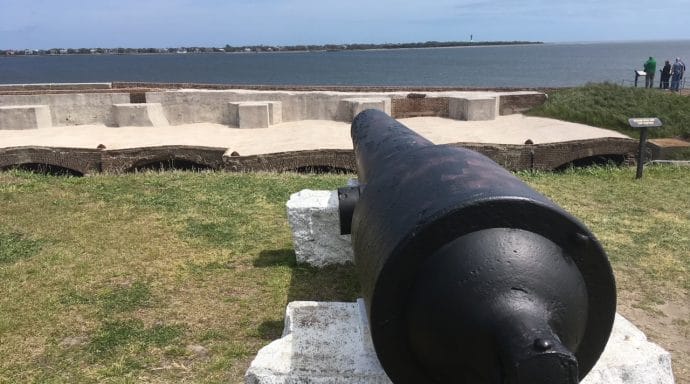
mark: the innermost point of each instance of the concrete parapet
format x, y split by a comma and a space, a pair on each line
313, 217
25, 117
73, 108
353, 106
471, 109
54, 86
249, 114
139, 115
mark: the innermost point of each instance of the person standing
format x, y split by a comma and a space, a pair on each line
650, 70
677, 72
665, 75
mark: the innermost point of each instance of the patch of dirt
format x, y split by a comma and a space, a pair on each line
667, 325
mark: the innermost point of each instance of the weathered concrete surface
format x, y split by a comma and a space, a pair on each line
322, 343
472, 108
330, 342
629, 358
139, 115
25, 117
73, 108
313, 218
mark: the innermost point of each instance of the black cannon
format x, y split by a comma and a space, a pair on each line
469, 275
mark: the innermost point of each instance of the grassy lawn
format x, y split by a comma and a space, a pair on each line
184, 276
610, 106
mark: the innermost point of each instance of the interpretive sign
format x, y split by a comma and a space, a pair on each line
643, 123
639, 122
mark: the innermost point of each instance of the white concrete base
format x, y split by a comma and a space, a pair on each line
139, 115
25, 117
353, 106
313, 218
472, 109
322, 343
330, 343
255, 114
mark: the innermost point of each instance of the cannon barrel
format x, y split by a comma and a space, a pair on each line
469, 275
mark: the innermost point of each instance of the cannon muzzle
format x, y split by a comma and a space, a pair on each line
469, 275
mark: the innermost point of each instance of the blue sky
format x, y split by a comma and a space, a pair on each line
41, 24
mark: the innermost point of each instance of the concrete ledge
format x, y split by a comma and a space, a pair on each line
353, 106
25, 117
252, 114
330, 342
313, 218
472, 109
139, 115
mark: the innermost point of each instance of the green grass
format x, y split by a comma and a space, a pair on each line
15, 247
609, 106
121, 279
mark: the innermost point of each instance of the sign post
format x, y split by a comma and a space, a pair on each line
643, 123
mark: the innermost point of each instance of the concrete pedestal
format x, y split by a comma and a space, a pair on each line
330, 342
25, 117
139, 115
313, 218
353, 106
471, 109
255, 114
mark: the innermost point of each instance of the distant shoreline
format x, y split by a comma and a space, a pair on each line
259, 48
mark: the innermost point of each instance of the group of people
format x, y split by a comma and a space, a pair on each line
674, 73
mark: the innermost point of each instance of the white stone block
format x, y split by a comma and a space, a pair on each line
629, 358
139, 115
249, 114
327, 342
471, 109
353, 106
314, 220
25, 117
322, 343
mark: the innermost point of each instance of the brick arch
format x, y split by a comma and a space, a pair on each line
128, 160
551, 156
340, 159
76, 160
558, 155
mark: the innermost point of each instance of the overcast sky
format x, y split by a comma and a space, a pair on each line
41, 24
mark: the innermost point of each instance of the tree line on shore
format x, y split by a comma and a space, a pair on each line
256, 48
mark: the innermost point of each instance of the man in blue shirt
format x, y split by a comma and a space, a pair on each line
677, 72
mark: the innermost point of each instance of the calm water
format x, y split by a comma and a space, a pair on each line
548, 65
